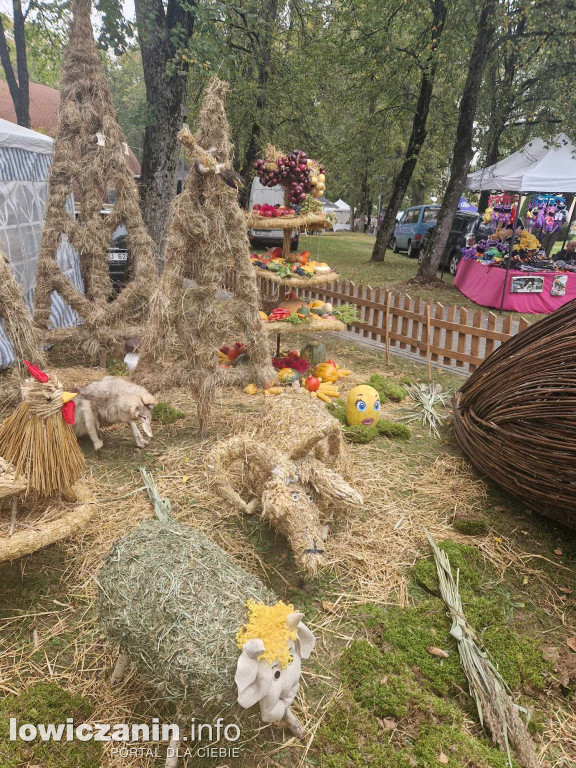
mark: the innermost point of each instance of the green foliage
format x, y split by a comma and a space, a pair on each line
166, 413
46, 703
386, 388
115, 366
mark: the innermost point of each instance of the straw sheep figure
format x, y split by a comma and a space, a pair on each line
289, 467
177, 605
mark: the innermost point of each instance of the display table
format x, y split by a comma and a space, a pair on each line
483, 284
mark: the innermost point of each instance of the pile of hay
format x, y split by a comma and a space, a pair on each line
174, 601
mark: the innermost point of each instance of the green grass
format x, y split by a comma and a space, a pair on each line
349, 253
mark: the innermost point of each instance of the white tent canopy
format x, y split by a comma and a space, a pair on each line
17, 137
535, 168
342, 205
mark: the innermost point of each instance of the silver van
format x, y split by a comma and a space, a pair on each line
259, 195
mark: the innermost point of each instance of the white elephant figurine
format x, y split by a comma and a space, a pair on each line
271, 685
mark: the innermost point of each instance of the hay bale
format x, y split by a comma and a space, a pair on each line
174, 600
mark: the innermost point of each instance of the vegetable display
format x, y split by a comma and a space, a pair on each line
295, 264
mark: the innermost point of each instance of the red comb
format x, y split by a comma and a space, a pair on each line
36, 372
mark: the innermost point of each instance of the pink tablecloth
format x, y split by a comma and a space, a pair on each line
484, 284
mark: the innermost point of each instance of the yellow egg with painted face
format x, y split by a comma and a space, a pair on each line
363, 406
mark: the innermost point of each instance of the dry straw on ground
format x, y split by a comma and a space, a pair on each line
207, 233
90, 152
370, 552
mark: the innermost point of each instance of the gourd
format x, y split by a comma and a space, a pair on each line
288, 375
326, 372
314, 352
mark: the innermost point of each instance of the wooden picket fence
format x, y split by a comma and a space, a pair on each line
451, 336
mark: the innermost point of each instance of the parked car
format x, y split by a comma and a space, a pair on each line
411, 228
260, 194
118, 258
467, 228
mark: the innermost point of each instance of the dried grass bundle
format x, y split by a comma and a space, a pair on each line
39, 444
207, 233
90, 152
16, 317
496, 709
44, 452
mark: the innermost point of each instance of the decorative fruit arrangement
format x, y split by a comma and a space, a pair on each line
324, 390
273, 211
252, 389
294, 265
296, 172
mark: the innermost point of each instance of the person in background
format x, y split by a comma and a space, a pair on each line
568, 253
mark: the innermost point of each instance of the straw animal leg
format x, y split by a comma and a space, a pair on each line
119, 668
293, 723
252, 506
13, 513
137, 435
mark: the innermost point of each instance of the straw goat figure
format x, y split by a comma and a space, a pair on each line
290, 467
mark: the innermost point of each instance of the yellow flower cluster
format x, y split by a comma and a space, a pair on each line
268, 623
528, 242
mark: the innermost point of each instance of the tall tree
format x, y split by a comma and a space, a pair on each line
428, 67
462, 153
164, 33
18, 81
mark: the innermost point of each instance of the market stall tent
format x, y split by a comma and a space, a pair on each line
342, 214
537, 167
25, 158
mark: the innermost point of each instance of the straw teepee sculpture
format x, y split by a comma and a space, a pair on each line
207, 235
90, 152
16, 318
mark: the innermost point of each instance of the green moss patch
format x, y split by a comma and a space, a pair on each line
387, 389
46, 703
404, 683
361, 434
394, 430
167, 414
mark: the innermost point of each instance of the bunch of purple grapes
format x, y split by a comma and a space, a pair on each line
292, 171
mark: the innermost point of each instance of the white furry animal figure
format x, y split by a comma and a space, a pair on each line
113, 400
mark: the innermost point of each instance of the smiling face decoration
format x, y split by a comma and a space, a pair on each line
363, 406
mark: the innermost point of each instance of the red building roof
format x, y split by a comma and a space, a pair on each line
44, 106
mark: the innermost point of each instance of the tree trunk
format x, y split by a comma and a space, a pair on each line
19, 88
162, 33
261, 45
417, 136
462, 153
502, 97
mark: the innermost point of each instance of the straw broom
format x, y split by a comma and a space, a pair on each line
37, 441
497, 711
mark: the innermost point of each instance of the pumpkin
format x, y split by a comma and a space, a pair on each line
288, 375
363, 406
326, 372
314, 352
319, 311
316, 304
303, 311
263, 316
292, 304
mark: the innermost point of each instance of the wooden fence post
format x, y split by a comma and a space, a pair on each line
428, 356
387, 327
